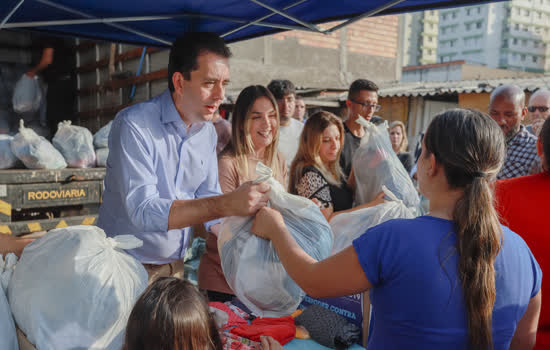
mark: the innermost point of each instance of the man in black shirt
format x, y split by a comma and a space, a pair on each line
362, 101
55, 63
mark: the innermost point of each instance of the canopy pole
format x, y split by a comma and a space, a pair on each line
364, 15
292, 18
257, 21
7, 18
118, 26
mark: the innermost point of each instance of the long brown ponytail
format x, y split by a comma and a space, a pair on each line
470, 146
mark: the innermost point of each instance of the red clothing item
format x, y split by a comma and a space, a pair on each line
523, 204
281, 329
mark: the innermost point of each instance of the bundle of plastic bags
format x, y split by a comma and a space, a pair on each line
74, 288
375, 164
27, 95
7, 158
101, 155
349, 226
35, 151
76, 145
101, 137
8, 335
251, 265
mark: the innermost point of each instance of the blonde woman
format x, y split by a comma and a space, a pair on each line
315, 172
399, 143
255, 133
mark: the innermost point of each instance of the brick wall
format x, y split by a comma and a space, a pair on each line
376, 36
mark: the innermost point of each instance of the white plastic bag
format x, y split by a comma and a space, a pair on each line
251, 265
74, 288
101, 137
35, 151
8, 335
101, 155
375, 164
7, 158
27, 95
76, 145
347, 227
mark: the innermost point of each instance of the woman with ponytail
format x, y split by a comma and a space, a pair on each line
453, 279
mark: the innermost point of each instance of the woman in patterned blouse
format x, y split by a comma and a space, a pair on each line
315, 172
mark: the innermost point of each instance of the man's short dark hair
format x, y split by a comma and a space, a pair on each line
186, 50
359, 85
280, 88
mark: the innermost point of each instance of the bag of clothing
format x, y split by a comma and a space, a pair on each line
35, 151
76, 145
8, 335
27, 95
101, 155
7, 158
375, 164
349, 226
74, 288
251, 265
101, 137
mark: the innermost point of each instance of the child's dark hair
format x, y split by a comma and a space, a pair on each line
171, 315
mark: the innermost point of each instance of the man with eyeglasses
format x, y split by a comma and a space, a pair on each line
539, 110
362, 101
507, 108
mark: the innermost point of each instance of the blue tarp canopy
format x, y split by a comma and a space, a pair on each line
159, 22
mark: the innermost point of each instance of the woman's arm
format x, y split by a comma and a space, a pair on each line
525, 336
337, 275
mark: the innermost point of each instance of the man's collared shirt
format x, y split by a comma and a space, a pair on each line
154, 159
521, 155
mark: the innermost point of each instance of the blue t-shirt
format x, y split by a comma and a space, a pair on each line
417, 299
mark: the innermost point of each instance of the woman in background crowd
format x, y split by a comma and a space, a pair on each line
315, 172
454, 279
399, 143
255, 132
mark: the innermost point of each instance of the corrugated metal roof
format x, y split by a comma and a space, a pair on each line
425, 88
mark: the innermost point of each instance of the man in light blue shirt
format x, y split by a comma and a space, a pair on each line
162, 173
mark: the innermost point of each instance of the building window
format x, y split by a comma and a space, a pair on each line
479, 24
430, 39
443, 30
444, 16
524, 42
468, 12
522, 58
479, 9
468, 26
454, 14
535, 43
515, 41
516, 26
535, 59
527, 13
525, 28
